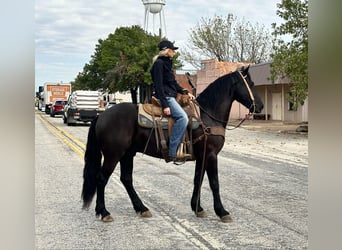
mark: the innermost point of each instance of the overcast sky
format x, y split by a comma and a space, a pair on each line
66, 31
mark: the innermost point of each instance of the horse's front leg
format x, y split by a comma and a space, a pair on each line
196, 197
126, 178
212, 174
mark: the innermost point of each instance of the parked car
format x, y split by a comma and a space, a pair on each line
57, 108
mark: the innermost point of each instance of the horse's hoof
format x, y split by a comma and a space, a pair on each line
146, 214
226, 219
201, 214
107, 218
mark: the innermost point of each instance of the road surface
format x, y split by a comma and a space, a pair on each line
263, 184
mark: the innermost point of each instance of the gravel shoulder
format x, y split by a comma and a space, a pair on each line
270, 140
272, 126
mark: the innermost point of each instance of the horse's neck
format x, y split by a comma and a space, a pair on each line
216, 113
216, 100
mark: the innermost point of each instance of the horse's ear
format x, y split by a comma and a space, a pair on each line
245, 68
241, 68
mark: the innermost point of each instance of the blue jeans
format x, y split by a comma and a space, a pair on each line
178, 129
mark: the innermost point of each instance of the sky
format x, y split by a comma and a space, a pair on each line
67, 31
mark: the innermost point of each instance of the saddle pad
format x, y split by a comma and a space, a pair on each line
146, 120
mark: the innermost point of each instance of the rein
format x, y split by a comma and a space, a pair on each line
246, 116
217, 131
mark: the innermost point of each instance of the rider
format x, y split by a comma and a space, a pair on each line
166, 89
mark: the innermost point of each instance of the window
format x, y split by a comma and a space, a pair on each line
202, 66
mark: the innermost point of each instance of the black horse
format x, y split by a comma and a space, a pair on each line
116, 136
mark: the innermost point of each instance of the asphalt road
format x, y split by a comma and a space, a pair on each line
263, 183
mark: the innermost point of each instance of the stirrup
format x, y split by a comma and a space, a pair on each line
181, 152
181, 159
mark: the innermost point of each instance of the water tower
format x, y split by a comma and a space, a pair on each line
155, 7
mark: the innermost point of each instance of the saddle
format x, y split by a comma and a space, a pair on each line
148, 112
150, 115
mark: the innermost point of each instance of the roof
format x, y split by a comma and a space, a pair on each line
261, 73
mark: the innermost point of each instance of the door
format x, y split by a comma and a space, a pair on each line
276, 106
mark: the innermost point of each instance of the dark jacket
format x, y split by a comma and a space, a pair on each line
164, 82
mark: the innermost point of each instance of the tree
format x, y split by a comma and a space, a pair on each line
88, 79
129, 66
290, 59
227, 39
121, 62
92, 76
251, 43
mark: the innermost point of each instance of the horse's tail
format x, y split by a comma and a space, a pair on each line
92, 166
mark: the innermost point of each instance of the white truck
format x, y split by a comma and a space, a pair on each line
83, 106
53, 92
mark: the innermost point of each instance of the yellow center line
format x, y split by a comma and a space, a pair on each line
61, 134
78, 142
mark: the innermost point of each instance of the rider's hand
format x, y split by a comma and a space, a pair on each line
167, 111
192, 97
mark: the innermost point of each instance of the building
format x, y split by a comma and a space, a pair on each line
274, 95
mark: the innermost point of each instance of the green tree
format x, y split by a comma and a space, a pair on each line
121, 62
88, 79
92, 76
227, 39
126, 57
290, 59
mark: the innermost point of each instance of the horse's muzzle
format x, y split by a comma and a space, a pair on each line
256, 108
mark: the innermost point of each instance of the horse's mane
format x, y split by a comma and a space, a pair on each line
219, 88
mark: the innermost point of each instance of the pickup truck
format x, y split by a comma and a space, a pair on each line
82, 106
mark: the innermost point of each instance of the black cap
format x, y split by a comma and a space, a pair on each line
166, 45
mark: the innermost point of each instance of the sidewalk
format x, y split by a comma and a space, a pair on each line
273, 126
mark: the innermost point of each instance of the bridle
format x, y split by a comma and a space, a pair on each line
252, 107
250, 93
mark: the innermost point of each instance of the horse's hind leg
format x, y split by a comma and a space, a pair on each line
126, 178
103, 176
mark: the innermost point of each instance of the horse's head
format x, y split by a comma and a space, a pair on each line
246, 93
